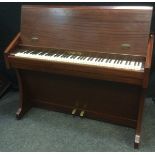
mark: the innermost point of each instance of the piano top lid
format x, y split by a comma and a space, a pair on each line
111, 29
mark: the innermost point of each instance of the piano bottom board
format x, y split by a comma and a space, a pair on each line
104, 100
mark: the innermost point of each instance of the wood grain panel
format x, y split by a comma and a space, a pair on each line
102, 98
101, 29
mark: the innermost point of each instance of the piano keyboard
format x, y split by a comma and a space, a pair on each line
129, 64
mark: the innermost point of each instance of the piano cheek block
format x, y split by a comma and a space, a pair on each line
92, 63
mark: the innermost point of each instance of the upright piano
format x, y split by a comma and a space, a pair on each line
87, 61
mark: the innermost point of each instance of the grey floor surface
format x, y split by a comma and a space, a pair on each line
42, 130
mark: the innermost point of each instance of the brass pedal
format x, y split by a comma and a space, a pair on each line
74, 111
82, 113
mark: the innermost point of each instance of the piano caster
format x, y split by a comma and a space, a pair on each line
74, 111
137, 141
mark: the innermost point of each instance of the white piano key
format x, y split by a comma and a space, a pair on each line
123, 64
132, 65
117, 65
102, 62
128, 64
112, 62
137, 66
140, 66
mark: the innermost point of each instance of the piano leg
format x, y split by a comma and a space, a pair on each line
139, 120
24, 104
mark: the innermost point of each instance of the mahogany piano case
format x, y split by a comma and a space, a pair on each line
88, 61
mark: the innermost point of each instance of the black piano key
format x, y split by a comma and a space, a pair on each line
39, 52
143, 65
51, 54
102, 59
45, 54
34, 52
126, 62
79, 57
63, 55
71, 56
110, 60
107, 60
56, 55
99, 60
84, 57
117, 61
42, 53
25, 52
96, 59
91, 58
29, 52
129, 62
67, 55
88, 59
74, 56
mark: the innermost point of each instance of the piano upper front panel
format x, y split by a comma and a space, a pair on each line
101, 29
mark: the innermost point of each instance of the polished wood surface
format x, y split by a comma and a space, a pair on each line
11, 46
100, 29
66, 92
102, 93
